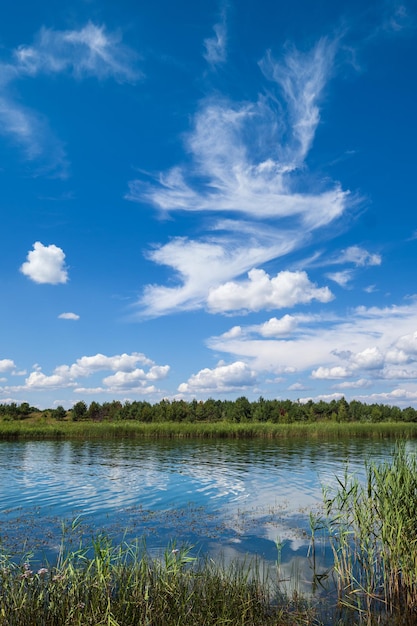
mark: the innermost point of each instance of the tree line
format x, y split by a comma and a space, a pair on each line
239, 410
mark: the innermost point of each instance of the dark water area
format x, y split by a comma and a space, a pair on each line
226, 499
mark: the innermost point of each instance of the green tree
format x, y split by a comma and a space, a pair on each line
79, 411
59, 413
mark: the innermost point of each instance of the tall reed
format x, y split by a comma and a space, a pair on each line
106, 585
373, 533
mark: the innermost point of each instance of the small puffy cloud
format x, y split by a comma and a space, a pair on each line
126, 375
87, 365
286, 289
330, 372
358, 256
223, 378
45, 265
277, 327
7, 365
135, 378
341, 278
368, 359
297, 387
39, 380
68, 316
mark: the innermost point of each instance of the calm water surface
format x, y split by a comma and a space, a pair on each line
229, 498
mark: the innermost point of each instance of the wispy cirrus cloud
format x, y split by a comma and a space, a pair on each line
90, 51
215, 47
246, 161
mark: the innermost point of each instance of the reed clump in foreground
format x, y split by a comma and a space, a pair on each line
123, 586
373, 533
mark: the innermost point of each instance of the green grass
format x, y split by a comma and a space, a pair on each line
55, 430
106, 585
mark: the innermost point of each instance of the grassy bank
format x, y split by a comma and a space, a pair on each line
55, 430
123, 586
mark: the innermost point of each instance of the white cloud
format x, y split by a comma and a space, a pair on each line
223, 378
68, 316
202, 265
87, 365
245, 159
215, 47
277, 327
396, 396
45, 265
30, 131
358, 256
297, 387
284, 290
6, 365
361, 383
380, 342
237, 181
126, 375
368, 359
341, 278
302, 78
136, 378
330, 372
39, 380
89, 51
408, 344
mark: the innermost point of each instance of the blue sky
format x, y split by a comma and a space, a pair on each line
204, 199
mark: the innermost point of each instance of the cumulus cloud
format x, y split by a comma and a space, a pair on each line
277, 327
135, 378
330, 372
68, 316
45, 265
223, 378
7, 365
368, 359
284, 290
374, 343
126, 375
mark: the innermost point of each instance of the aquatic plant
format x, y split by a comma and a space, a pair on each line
373, 532
106, 585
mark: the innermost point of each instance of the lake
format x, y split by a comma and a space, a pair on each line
225, 498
